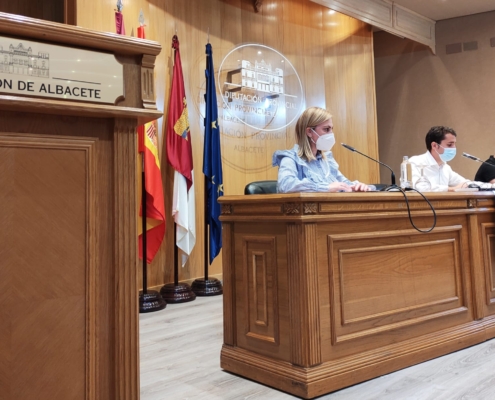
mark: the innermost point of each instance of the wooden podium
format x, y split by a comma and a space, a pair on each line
68, 238
322, 291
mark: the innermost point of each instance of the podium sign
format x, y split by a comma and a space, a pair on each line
45, 70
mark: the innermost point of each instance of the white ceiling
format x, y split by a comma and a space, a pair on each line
445, 9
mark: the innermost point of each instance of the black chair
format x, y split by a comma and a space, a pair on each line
380, 186
261, 187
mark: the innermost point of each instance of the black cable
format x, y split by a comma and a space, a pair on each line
394, 187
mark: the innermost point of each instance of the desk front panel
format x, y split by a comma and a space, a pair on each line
326, 291
391, 283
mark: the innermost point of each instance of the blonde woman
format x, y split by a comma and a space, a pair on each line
309, 166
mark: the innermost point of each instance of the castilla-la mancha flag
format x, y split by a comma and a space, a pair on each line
155, 206
179, 155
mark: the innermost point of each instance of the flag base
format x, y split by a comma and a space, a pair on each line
207, 287
180, 293
151, 301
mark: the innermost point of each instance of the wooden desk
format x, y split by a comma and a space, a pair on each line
322, 291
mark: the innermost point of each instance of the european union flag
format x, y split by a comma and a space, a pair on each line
212, 159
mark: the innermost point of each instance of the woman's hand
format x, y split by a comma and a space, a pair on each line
339, 187
361, 187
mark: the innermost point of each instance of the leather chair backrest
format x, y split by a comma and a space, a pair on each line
380, 186
261, 187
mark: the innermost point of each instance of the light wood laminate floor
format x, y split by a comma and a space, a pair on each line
180, 359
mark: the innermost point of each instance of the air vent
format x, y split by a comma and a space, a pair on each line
469, 46
453, 48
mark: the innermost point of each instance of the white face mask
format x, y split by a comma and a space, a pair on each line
324, 142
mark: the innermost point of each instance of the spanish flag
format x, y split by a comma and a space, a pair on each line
155, 205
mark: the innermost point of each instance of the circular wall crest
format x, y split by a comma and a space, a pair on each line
260, 88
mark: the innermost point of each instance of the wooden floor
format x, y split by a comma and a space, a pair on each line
180, 359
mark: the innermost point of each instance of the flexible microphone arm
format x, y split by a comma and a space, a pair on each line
379, 162
477, 159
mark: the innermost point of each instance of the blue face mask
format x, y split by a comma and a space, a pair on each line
448, 154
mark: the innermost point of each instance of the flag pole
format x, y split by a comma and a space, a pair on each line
206, 233
209, 286
206, 286
149, 300
177, 292
179, 155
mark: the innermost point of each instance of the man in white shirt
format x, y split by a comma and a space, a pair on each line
440, 142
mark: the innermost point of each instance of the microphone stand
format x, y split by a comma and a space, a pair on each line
393, 186
403, 191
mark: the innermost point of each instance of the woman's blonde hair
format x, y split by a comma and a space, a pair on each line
310, 118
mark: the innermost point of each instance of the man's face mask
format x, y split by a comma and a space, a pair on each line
448, 153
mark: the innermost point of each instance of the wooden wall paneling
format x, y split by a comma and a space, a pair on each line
273, 36
52, 10
70, 12
208, 27
294, 48
232, 34
197, 20
201, 20
258, 164
314, 34
335, 83
361, 101
225, 33
97, 15
348, 92
236, 177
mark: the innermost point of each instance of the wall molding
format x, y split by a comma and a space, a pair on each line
388, 16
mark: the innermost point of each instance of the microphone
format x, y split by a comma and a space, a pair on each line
477, 159
472, 157
379, 162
